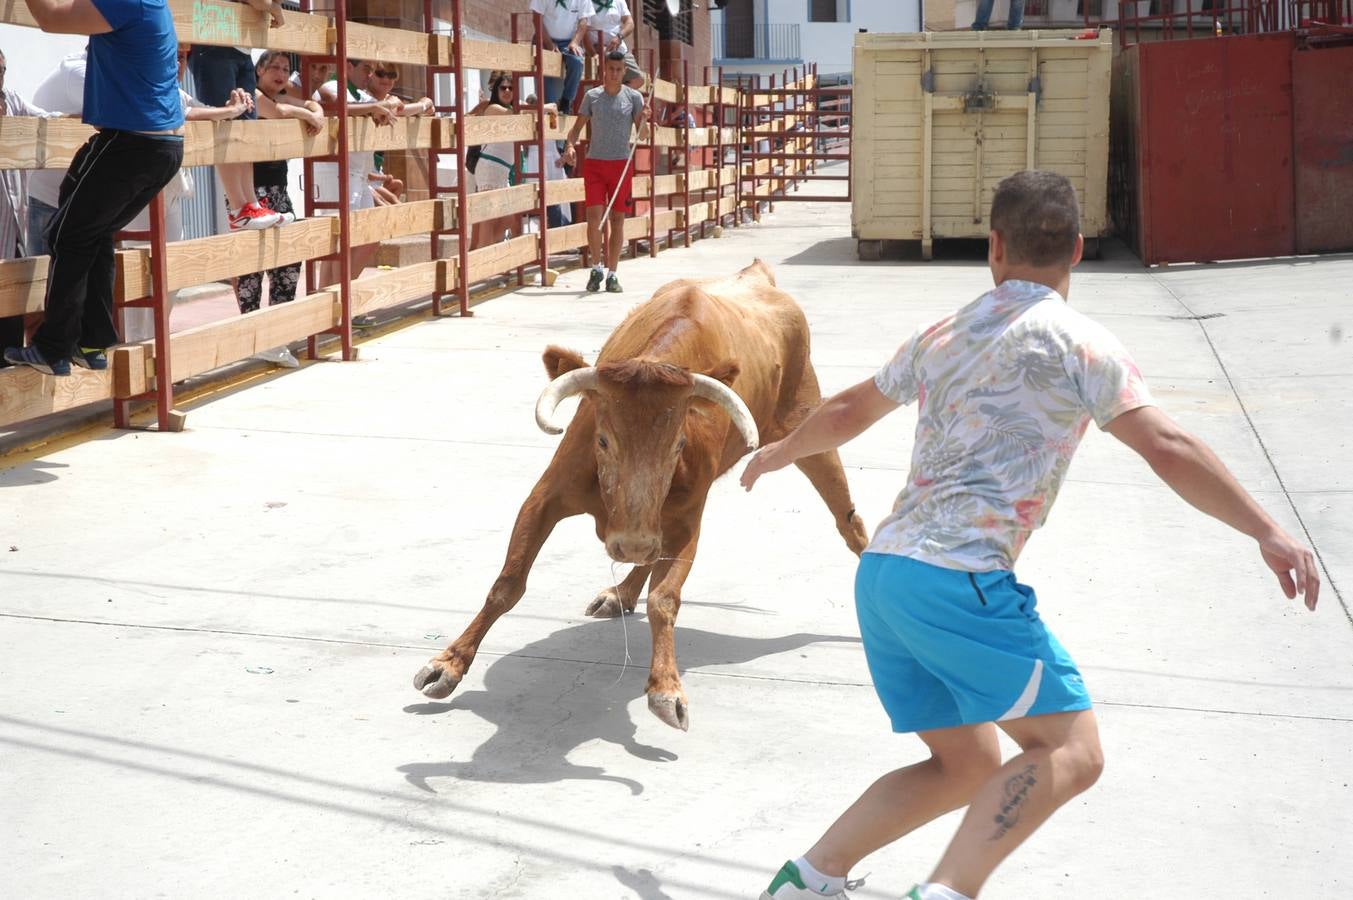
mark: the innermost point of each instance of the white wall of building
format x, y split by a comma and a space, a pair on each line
31, 54
829, 44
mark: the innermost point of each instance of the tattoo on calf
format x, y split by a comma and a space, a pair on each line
1017, 789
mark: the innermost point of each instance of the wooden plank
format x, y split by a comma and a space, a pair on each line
699, 94
731, 96
440, 50
214, 143
1094, 210
565, 190
636, 227
23, 285
19, 147
495, 129
476, 54
503, 257
367, 226
665, 219
220, 343
387, 44
398, 286
222, 256
487, 205
26, 394
666, 184
639, 186
413, 133
666, 137
568, 237
665, 91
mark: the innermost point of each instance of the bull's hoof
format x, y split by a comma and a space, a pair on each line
606, 606
435, 682
672, 709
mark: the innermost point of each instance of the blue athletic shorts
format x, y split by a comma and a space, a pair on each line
948, 648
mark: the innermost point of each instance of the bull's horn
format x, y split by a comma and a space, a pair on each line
559, 390
708, 388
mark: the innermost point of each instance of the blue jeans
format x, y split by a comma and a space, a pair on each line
983, 18
219, 70
39, 218
563, 90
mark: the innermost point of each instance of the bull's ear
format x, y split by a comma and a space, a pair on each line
558, 360
726, 371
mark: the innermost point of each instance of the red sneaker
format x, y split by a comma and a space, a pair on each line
252, 216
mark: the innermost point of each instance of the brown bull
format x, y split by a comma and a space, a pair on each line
682, 389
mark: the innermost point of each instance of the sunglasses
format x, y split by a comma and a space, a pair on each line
385, 73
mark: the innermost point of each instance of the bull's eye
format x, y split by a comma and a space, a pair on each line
681, 443
602, 442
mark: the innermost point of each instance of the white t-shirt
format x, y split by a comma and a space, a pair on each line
360, 165
1005, 389
606, 19
62, 91
561, 22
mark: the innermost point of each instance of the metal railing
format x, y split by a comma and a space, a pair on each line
761, 41
1176, 19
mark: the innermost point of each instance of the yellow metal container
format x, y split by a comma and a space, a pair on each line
940, 118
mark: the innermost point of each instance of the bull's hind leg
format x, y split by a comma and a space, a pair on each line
539, 514
619, 598
829, 479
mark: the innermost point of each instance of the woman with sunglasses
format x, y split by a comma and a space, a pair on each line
386, 188
496, 166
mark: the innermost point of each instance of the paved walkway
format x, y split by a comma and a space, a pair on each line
207, 639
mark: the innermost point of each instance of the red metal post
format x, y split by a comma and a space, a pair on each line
686, 154
542, 208
462, 196
434, 237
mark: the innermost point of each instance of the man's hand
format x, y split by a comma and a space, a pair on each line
382, 114
570, 155
313, 120
613, 44
647, 113
575, 48
1287, 558
769, 458
275, 14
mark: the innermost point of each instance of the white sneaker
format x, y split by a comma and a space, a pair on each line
252, 217
278, 356
788, 885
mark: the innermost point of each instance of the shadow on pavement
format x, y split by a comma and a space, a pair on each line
542, 715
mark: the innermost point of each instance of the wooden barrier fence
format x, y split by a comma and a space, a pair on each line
144, 276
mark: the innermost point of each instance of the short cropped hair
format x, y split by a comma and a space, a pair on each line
616, 55
1037, 216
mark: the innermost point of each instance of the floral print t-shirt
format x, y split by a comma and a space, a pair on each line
1005, 387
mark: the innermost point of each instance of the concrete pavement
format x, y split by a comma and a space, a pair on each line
207, 638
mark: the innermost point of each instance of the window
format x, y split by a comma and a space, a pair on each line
827, 11
668, 26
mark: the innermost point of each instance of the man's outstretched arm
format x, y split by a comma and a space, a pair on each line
68, 17
842, 417
1189, 466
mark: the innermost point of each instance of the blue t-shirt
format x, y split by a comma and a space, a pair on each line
131, 82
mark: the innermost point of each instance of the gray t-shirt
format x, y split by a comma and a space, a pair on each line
612, 118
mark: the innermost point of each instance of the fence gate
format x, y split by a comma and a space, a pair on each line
795, 131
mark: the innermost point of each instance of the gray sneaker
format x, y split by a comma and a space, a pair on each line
613, 285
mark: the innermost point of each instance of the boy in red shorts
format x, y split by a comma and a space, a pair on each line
612, 109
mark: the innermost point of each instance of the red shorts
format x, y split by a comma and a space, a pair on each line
600, 177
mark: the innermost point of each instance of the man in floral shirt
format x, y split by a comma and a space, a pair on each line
1005, 388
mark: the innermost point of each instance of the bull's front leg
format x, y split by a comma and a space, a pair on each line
621, 598
666, 698
539, 514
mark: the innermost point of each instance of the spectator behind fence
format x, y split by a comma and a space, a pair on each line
217, 73
565, 23
557, 215
386, 188
360, 165
61, 92
276, 101
608, 26
495, 166
131, 97
14, 209
139, 322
